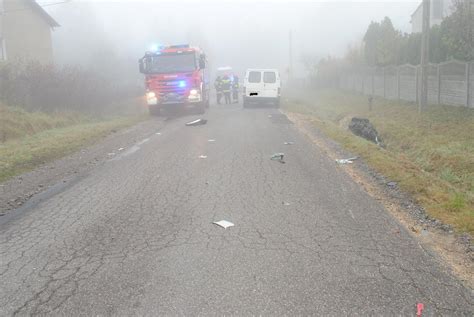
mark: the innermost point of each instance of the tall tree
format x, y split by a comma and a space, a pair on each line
457, 31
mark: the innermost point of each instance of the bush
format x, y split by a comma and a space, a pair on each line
48, 88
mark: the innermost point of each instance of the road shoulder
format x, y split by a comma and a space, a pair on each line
18, 190
454, 250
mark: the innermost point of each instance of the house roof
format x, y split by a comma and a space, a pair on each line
420, 7
39, 9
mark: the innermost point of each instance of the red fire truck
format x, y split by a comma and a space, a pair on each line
176, 76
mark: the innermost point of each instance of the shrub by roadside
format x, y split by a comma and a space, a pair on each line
48, 88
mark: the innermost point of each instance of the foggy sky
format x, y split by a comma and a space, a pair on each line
237, 33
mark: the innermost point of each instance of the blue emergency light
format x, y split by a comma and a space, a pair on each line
182, 84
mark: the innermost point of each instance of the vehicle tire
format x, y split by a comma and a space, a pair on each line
277, 103
154, 111
201, 108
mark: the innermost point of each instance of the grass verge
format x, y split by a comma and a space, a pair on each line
430, 155
31, 139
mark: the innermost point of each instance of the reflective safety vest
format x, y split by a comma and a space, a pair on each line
218, 85
226, 85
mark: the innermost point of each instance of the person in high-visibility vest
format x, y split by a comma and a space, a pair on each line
226, 87
235, 89
218, 86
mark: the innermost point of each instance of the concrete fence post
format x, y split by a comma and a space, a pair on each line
398, 83
417, 93
373, 82
468, 84
384, 81
438, 78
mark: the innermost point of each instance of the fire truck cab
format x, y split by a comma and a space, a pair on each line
175, 76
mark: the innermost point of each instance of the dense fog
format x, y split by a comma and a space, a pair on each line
112, 35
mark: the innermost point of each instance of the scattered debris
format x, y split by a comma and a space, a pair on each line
347, 160
363, 128
419, 309
111, 154
224, 224
196, 122
203, 156
278, 157
392, 184
121, 149
211, 140
289, 143
158, 133
284, 203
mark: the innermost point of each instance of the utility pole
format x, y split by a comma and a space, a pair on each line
425, 40
290, 55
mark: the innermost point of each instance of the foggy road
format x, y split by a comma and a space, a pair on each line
135, 236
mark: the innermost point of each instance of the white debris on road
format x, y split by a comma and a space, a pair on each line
224, 224
347, 161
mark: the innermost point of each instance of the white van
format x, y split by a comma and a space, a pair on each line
262, 85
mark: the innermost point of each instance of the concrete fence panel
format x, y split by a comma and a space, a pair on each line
453, 83
433, 84
391, 80
449, 83
407, 83
379, 82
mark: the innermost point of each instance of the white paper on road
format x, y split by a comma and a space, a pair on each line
224, 224
211, 140
203, 156
289, 143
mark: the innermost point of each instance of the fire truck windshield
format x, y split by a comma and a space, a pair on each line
170, 63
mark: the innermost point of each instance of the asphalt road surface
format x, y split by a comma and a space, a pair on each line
135, 235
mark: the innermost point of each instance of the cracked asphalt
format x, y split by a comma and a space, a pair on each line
135, 236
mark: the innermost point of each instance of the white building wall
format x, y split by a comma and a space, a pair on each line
435, 18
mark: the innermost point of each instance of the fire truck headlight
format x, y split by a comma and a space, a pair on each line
150, 95
194, 95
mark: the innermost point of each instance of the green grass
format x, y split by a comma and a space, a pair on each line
32, 139
431, 155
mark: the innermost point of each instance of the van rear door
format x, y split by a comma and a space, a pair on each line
271, 83
254, 86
